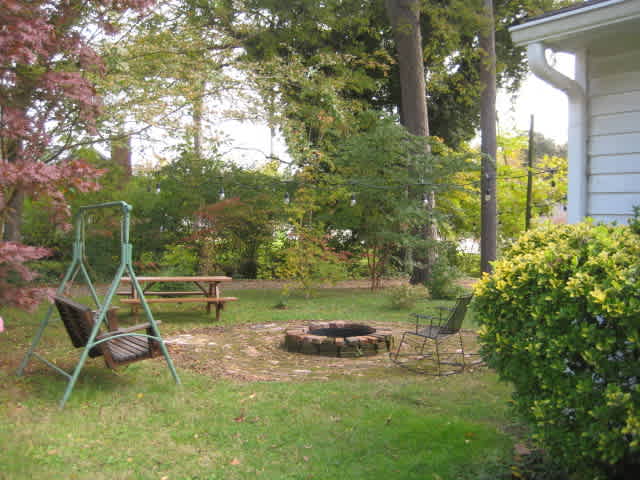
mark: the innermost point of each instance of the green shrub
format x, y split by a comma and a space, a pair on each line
310, 262
634, 222
146, 264
560, 318
469, 264
179, 260
405, 296
272, 256
442, 281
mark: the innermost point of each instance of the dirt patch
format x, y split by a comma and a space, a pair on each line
255, 352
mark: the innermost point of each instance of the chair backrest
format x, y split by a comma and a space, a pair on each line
78, 321
454, 322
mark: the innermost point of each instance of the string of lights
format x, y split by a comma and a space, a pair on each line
390, 185
471, 187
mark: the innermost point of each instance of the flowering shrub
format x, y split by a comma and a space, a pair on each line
560, 319
15, 276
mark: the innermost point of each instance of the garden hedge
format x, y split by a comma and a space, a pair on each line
560, 319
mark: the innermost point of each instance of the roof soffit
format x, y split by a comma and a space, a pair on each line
596, 26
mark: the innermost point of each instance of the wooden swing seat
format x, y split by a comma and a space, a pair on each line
79, 320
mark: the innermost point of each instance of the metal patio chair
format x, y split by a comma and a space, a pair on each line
435, 342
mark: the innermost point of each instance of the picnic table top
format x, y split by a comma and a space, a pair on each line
201, 278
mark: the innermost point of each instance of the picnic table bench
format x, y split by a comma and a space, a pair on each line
208, 292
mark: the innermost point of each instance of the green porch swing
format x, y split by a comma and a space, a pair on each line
118, 346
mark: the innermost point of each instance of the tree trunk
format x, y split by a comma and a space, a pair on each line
198, 109
13, 219
405, 20
121, 153
404, 16
488, 206
12, 216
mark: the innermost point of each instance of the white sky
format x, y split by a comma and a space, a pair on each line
548, 105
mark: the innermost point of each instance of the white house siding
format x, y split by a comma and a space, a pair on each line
614, 135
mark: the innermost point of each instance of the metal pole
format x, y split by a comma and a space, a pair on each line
530, 153
71, 271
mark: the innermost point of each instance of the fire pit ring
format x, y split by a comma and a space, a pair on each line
338, 339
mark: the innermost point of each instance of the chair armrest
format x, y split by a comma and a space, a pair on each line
420, 316
131, 329
444, 309
111, 317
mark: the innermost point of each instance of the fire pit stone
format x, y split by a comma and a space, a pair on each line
338, 338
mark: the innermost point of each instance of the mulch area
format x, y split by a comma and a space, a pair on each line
254, 352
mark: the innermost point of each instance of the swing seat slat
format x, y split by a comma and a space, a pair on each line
79, 321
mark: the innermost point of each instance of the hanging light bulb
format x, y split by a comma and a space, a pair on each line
221, 193
425, 199
287, 198
353, 200
157, 188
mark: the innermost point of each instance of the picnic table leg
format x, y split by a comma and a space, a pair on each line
218, 310
209, 294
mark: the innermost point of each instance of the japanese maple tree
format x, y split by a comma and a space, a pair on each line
47, 105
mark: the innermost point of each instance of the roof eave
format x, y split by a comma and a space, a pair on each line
566, 30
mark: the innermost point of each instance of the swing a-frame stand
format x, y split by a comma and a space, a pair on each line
73, 314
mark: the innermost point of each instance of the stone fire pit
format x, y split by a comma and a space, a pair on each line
338, 339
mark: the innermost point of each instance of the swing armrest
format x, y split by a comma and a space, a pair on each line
131, 329
111, 317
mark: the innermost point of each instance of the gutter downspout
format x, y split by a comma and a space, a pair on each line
575, 90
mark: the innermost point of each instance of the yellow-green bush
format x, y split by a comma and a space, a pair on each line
560, 318
406, 296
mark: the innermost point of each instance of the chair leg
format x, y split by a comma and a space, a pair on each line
424, 343
394, 357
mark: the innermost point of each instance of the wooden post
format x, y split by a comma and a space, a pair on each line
488, 200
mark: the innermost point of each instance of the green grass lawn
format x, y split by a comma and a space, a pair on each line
137, 424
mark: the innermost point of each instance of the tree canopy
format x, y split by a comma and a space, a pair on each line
324, 73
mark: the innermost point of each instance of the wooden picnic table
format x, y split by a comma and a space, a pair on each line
208, 291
